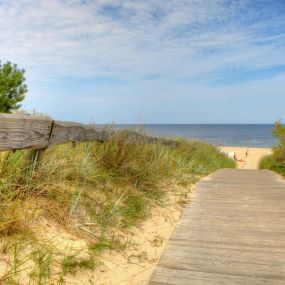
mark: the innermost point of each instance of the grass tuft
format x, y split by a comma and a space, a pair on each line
72, 263
94, 190
276, 161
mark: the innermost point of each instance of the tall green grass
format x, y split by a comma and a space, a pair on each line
276, 161
93, 189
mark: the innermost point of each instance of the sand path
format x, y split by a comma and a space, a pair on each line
249, 161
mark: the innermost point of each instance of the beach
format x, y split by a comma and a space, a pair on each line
249, 161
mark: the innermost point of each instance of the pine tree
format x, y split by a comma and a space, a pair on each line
12, 87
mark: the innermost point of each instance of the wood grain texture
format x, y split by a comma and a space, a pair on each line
18, 132
232, 232
63, 132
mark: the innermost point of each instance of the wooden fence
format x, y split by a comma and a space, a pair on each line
21, 132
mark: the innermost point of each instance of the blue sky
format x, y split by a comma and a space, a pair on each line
153, 61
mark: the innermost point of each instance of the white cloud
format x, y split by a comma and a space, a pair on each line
183, 45
146, 37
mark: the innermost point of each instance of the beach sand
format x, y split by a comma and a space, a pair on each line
251, 160
135, 265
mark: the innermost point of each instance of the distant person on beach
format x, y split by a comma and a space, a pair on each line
247, 153
232, 155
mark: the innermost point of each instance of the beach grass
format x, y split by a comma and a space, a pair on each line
276, 160
91, 190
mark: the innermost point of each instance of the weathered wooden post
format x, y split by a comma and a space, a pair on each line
37, 133
34, 158
20, 132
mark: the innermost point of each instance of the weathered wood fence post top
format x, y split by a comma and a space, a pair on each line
24, 131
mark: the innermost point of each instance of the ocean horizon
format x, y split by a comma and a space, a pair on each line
246, 135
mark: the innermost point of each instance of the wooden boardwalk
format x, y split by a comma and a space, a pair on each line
232, 232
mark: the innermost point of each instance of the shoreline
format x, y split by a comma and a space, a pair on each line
245, 146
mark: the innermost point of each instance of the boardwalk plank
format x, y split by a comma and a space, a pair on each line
182, 277
232, 232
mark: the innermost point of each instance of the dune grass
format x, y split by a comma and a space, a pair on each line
92, 190
276, 161
270, 162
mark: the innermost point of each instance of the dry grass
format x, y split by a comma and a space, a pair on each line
94, 190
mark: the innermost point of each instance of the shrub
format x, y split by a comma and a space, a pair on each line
276, 161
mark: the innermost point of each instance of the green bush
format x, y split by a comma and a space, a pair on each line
276, 161
12, 87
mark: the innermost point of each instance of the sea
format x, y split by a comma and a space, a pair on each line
247, 135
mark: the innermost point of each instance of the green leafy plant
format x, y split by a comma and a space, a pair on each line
12, 87
276, 161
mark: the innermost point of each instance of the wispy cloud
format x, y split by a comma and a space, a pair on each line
187, 43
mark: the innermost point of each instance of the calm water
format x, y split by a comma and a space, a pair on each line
231, 135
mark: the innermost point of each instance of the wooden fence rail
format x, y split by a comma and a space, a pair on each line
20, 132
